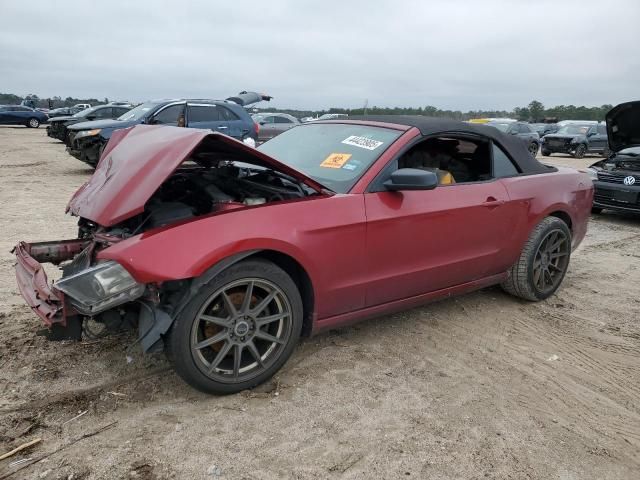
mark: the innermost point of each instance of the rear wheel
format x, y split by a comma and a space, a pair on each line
533, 148
543, 262
238, 330
33, 123
580, 151
545, 152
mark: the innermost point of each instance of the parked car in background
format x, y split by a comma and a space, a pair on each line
544, 128
82, 106
224, 255
521, 130
332, 116
21, 115
273, 124
577, 139
617, 178
87, 140
58, 126
63, 112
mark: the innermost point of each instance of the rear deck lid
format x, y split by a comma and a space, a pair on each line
139, 159
623, 126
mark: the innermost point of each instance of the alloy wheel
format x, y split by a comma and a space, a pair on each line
240, 330
551, 260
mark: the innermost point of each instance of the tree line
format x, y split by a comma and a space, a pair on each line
535, 111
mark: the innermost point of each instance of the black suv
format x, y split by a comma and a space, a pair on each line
88, 139
577, 139
58, 125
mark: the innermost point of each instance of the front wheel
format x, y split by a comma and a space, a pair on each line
545, 152
544, 260
33, 123
580, 151
238, 330
533, 149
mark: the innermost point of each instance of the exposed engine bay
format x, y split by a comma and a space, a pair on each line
195, 190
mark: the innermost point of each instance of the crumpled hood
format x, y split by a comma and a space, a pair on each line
623, 126
137, 160
101, 124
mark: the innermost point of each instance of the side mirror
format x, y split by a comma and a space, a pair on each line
591, 133
91, 117
411, 179
513, 132
263, 123
152, 121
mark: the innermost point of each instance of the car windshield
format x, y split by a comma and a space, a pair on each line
86, 112
573, 130
503, 127
137, 113
335, 155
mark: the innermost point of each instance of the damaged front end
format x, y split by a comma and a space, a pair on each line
150, 179
86, 289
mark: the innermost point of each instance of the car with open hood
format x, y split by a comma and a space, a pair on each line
58, 127
224, 255
576, 139
617, 177
87, 140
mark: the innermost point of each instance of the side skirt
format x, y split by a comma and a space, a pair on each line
404, 304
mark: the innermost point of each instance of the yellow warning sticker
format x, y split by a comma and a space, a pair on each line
336, 160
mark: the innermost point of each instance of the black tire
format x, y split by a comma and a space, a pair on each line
580, 151
207, 368
545, 152
596, 210
33, 123
524, 278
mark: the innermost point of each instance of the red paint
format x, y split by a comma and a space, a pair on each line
365, 253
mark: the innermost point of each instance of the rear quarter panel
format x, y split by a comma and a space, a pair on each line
566, 191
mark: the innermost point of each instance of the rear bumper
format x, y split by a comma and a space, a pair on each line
47, 302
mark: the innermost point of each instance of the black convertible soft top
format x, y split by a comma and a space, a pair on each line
429, 126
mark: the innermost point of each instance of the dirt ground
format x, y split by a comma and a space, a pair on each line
480, 386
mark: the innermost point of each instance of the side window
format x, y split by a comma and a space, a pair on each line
201, 113
502, 164
283, 120
169, 116
602, 129
103, 113
227, 115
119, 111
524, 128
454, 160
269, 120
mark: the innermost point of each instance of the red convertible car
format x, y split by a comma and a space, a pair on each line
224, 255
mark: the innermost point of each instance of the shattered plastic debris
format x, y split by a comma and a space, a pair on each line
553, 358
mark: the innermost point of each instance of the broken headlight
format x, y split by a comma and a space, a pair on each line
100, 287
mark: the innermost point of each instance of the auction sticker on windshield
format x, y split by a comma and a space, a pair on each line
362, 142
335, 160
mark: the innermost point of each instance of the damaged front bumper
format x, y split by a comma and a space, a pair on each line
46, 301
86, 149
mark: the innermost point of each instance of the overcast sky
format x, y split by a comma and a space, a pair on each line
457, 54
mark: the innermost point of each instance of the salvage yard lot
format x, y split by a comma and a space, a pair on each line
477, 386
